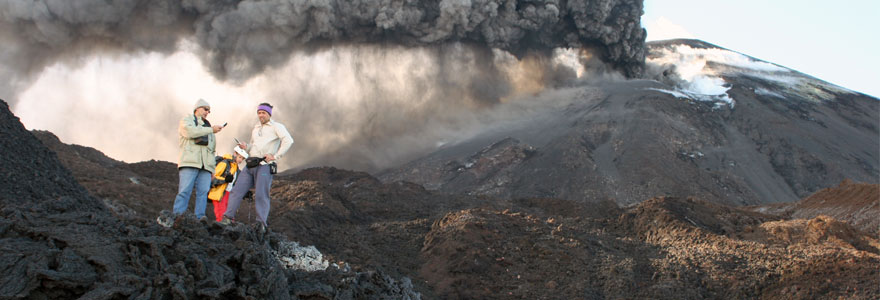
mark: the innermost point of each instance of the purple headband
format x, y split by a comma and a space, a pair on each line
266, 108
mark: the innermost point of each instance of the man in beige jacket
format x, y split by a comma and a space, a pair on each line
196, 162
270, 141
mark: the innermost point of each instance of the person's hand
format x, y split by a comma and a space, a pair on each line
269, 157
217, 128
243, 146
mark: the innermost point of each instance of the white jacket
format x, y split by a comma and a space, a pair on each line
270, 138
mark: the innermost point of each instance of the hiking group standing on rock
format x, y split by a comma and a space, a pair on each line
227, 179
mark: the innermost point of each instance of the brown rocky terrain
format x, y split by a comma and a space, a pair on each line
481, 247
857, 203
140, 184
60, 242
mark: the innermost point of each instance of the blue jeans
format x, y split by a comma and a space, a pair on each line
202, 181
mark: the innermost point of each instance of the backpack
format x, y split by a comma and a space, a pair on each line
219, 159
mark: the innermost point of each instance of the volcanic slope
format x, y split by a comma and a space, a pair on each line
59, 242
737, 131
472, 246
857, 203
466, 246
142, 188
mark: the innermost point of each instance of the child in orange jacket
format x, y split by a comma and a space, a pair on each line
224, 177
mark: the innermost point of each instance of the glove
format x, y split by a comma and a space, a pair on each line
228, 178
216, 182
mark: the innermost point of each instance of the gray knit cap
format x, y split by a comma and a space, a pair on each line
201, 103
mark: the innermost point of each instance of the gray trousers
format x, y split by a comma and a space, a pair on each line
261, 180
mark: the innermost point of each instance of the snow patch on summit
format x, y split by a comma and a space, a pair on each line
700, 75
700, 79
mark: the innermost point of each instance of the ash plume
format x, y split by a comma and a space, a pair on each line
366, 84
239, 39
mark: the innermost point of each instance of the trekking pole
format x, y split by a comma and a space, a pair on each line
253, 201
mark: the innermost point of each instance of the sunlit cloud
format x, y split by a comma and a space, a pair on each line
355, 107
128, 105
662, 28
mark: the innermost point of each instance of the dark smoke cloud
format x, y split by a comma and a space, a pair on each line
239, 39
364, 84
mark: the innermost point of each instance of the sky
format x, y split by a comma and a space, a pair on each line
836, 41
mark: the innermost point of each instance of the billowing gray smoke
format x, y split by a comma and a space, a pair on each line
363, 84
239, 39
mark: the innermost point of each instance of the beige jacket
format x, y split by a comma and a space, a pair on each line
192, 155
270, 138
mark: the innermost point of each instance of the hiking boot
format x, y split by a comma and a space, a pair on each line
203, 220
261, 228
226, 221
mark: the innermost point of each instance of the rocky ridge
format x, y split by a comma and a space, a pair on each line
60, 242
475, 246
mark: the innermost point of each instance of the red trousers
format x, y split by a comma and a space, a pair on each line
220, 206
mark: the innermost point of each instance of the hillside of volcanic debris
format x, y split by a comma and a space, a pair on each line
783, 136
59, 242
474, 246
460, 246
141, 186
858, 203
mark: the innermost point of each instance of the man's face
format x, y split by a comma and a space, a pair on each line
264, 116
203, 111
